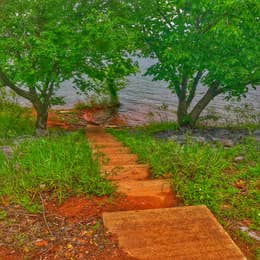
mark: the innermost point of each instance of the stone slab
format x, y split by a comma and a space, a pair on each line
112, 144
127, 172
111, 151
149, 194
172, 233
119, 159
145, 187
110, 168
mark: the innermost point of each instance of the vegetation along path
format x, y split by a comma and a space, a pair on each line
154, 226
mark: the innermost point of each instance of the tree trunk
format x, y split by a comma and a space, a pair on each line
200, 106
41, 122
182, 113
113, 93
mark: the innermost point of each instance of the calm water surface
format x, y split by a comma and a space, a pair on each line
141, 98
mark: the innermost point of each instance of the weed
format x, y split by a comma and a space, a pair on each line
3, 214
94, 102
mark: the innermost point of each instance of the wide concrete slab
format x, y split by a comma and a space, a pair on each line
172, 233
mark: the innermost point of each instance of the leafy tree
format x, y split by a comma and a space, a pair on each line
44, 42
215, 43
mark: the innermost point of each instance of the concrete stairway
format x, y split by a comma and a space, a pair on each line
161, 230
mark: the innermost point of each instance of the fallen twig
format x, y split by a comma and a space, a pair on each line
44, 216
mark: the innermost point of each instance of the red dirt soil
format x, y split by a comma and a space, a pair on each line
103, 116
76, 208
79, 210
72, 119
7, 254
75, 231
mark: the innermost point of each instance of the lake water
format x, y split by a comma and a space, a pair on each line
141, 98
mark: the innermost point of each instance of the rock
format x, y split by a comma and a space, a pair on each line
42, 186
252, 234
226, 137
65, 111
256, 133
238, 159
240, 184
181, 139
226, 142
7, 150
41, 243
198, 139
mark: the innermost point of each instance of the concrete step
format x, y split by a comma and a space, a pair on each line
127, 172
106, 145
94, 131
147, 187
172, 233
149, 193
110, 168
111, 151
102, 140
119, 159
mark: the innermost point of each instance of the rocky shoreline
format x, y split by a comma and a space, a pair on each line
226, 137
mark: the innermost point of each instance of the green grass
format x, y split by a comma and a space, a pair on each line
59, 165
152, 128
204, 174
14, 121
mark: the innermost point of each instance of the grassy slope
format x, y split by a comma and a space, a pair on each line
203, 174
59, 165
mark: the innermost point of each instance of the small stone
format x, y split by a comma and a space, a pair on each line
225, 207
199, 139
84, 233
240, 184
26, 249
238, 158
227, 142
7, 150
41, 243
69, 246
53, 238
256, 132
42, 186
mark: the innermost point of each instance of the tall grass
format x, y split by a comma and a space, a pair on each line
57, 165
14, 120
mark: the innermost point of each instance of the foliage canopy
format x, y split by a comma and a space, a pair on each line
215, 43
45, 42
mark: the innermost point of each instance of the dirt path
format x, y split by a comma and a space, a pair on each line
152, 226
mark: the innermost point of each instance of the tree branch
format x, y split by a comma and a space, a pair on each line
184, 84
164, 16
194, 87
7, 82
